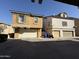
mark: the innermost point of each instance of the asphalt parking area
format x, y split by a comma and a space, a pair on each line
18, 49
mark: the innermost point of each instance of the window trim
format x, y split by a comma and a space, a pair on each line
64, 23
36, 19
23, 18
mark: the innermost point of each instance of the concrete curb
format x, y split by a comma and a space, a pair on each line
47, 39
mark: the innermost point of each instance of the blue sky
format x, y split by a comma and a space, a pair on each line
48, 7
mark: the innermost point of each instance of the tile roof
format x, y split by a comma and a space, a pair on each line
27, 13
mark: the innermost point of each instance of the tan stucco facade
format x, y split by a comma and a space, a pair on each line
26, 29
28, 23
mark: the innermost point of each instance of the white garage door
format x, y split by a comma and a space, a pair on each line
28, 33
56, 34
67, 34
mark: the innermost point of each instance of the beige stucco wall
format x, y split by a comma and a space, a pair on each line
57, 23
29, 21
33, 24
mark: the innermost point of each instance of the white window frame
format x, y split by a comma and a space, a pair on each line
36, 19
20, 20
64, 23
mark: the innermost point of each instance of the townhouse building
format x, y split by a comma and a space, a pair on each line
60, 25
26, 25
6, 29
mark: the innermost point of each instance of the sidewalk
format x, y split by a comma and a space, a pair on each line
50, 39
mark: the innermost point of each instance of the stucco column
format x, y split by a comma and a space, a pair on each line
73, 33
39, 32
16, 35
61, 33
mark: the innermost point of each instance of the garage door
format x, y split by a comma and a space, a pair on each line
56, 34
67, 34
30, 33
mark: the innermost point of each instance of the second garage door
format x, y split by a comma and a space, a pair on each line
56, 33
67, 33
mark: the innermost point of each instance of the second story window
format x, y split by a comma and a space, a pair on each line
64, 23
21, 19
36, 19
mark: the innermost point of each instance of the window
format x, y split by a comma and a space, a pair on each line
45, 18
64, 15
64, 23
21, 19
36, 19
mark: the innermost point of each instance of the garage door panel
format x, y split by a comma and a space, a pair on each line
56, 34
28, 33
67, 34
